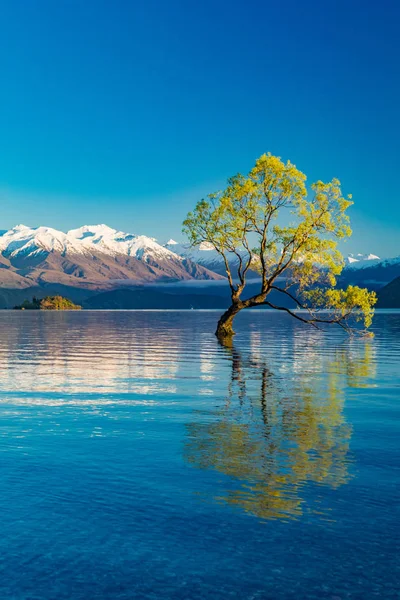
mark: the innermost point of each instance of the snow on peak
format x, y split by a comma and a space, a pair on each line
206, 246
355, 257
88, 239
91, 230
20, 227
27, 240
359, 261
104, 239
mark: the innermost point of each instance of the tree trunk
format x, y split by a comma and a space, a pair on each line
224, 327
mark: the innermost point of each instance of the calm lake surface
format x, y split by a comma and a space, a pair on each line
141, 459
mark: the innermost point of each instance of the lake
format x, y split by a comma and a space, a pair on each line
140, 459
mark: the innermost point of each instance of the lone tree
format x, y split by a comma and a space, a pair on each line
269, 222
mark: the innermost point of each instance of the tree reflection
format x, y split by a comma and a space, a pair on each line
275, 436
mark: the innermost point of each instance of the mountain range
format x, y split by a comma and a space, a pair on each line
96, 258
91, 256
206, 256
371, 271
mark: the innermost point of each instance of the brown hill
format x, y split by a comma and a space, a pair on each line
94, 271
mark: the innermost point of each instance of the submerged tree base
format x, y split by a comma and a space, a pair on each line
224, 332
224, 327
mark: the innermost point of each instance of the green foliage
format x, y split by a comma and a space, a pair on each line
26, 305
48, 303
296, 235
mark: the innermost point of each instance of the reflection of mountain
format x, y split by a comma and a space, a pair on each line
66, 354
272, 440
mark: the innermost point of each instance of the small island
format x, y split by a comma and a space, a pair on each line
48, 303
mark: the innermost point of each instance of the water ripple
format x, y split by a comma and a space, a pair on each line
141, 458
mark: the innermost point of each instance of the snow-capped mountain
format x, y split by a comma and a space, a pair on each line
104, 239
205, 255
23, 240
371, 271
361, 269
89, 255
357, 261
27, 241
100, 257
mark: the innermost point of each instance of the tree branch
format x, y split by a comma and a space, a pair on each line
312, 321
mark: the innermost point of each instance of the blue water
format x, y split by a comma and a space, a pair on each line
141, 459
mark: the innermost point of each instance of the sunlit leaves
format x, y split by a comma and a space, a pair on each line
354, 302
284, 231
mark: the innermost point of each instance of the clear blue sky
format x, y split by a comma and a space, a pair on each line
127, 112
